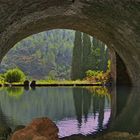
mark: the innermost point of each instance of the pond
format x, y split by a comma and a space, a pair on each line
75, 110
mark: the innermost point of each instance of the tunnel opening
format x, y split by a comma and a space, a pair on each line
114, 22
60, 55
80, 15
87, 104
119, 71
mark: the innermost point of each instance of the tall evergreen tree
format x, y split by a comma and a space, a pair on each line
101, 58
76, 72
99, 55
86, 53
106, 58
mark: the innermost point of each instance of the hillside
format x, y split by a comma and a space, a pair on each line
43, 56
57, 55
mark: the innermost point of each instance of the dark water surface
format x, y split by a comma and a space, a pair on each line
82, 110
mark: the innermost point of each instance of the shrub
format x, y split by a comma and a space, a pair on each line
14, 75
1, 78
109, 66
98, 76
91, 73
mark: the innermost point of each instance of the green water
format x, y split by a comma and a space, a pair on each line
85, 111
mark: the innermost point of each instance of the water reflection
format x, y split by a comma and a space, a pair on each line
87, 100
74, 110
5, 130
128, 113
125, 116
15, 91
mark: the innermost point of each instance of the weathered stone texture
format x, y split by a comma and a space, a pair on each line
115, 22
38, 129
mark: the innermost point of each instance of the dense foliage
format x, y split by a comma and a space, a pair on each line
88, 54
2, 78
100, 76
57, 55
14, 75
76, 72
46, 55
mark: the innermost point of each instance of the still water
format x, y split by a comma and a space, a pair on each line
74, 110
82, 110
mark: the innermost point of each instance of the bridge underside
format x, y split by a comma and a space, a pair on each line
116, 23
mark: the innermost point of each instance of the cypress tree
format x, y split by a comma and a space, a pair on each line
88, 57
101, 58
86, 53
77, 57
94, 54
106, 57
99, 55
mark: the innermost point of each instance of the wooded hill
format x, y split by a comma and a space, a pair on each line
46, 55
50, 55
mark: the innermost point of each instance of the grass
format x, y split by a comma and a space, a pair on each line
54, 82
62, 82
66, 82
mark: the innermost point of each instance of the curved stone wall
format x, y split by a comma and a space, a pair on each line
115, 22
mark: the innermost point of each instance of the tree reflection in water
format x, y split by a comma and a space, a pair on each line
74, 110
84, 98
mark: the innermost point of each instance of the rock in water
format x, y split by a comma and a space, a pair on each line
33, 83
26, 83
38, 129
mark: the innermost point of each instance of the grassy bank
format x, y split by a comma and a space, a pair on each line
62, 82
55, 83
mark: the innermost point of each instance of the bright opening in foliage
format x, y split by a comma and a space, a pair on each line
56, 55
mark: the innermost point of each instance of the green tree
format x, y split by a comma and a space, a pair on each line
86, 53
76, 72
14, 75
41, 53
92, 55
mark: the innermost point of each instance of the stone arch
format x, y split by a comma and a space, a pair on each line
113, 22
